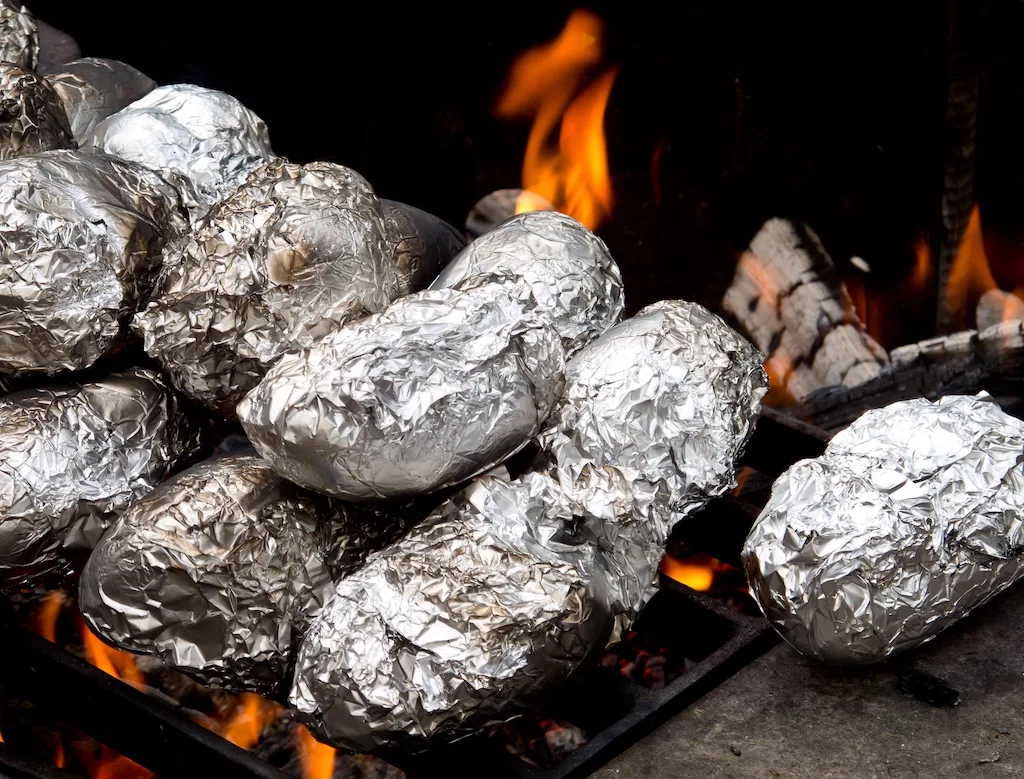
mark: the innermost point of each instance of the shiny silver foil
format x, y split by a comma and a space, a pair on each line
72, 458
91, 89
567, 269
292, 255
203, 141
420, 244
441, 386
468, 617
912, 517
32, 117
219, 571
19, 36
81, 242
509, 586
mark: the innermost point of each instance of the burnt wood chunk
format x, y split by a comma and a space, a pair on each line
998, 306
789, 298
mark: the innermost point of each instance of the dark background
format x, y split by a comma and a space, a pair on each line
832, 113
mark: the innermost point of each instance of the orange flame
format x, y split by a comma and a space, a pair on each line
251, 717
695, 574
317, 758
121, 665
544, 84
46, 617
970, 276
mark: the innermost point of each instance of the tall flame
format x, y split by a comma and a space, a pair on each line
317, 758
544, 84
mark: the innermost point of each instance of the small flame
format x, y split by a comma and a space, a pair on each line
695, 574
59, 759
970, 276
317, 758
49, 612
251, 717
544, 84
121, 665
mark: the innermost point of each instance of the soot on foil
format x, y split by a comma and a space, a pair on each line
32, 117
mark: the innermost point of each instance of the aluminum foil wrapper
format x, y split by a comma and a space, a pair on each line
912, 517
81, 242
291, 256
468, 617
420, 243
19, 36
91, 89
567, 269
219, 571
655, 415
72, 458
203, 141
440, 387
32, 117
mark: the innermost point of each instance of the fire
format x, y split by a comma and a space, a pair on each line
120, 665
251, 717
317, 758
970, 276
697, 574
544, 84
49, 612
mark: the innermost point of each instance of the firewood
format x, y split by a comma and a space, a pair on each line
996, 306
789, 298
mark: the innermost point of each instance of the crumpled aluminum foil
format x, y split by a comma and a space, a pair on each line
74, 457
32, 117
292, 255
203, 141
509, 586
219, 571
91, 89
566, 268
441, 386
912, 517
19, 36
420, 243
81, 241
468, 616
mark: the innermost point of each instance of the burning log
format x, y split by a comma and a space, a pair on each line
910, 520
441, 386
789, 298
32, 117
74, 457
203, 141
500, 206
510, 585
92, 89
83, 240
219, 571
997, 306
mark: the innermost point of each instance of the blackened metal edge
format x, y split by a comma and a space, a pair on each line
127, 720
15, 766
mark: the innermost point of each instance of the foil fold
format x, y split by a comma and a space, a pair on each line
440, 387
81, 244
19, 36
73, 457
32, 117
912, 518
91, 89
203, 141
566, 269
219, 571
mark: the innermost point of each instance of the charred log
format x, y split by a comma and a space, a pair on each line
493, 209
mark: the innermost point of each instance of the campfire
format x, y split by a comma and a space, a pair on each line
303, 481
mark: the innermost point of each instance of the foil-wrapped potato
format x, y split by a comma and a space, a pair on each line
81, 243
19, 36
440, 387
292, 255
72, 458
567, 269
91, 89
203, 141
912, 517
468, 617
219, 571
32, 117
420, 244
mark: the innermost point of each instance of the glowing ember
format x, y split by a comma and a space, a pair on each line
317, 758
697, 574
251, 717
544, 84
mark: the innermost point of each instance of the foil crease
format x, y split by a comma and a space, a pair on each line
81, 243
440, 387
203, 141
19, 36
468, 617
512, 585
73, 457
291, 256
91, 89
420, 243
219, 571
912, 517
567, 269
32, 117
